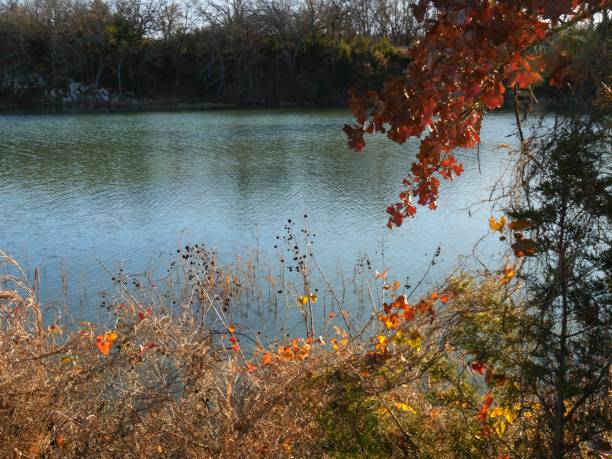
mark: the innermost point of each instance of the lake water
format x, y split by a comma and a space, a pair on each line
129, 189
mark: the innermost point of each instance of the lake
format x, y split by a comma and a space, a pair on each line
129, 189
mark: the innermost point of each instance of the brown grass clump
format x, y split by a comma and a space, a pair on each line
178, 380
166, 389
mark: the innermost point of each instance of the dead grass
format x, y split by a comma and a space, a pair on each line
182, 397
168, 388
175, 384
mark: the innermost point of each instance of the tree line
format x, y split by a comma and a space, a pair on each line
243, 51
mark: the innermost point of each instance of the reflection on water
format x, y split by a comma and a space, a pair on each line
133, 187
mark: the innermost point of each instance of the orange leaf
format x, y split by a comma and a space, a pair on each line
409, 313
103, 344
266, 359
382, 275
484, 409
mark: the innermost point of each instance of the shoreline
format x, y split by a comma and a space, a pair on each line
147, 106
161, 105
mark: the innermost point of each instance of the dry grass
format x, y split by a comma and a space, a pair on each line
185, 397
172, 386
168, 388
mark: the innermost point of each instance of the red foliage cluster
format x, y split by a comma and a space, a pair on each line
472, 51
408, 312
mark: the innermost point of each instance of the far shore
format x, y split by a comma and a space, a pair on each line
173, 104
149, 106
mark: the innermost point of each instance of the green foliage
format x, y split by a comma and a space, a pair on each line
352, 420
567, 192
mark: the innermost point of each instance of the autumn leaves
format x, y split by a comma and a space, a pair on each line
470, 54
521, 246
104, 342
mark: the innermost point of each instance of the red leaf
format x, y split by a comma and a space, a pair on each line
484, 409
478, 366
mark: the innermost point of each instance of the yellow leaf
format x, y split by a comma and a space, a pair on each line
500, 428
381, 346
111, 336
405, 407
508, 413
497, 225
303, 300
313, 297
568, 407
510, 416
